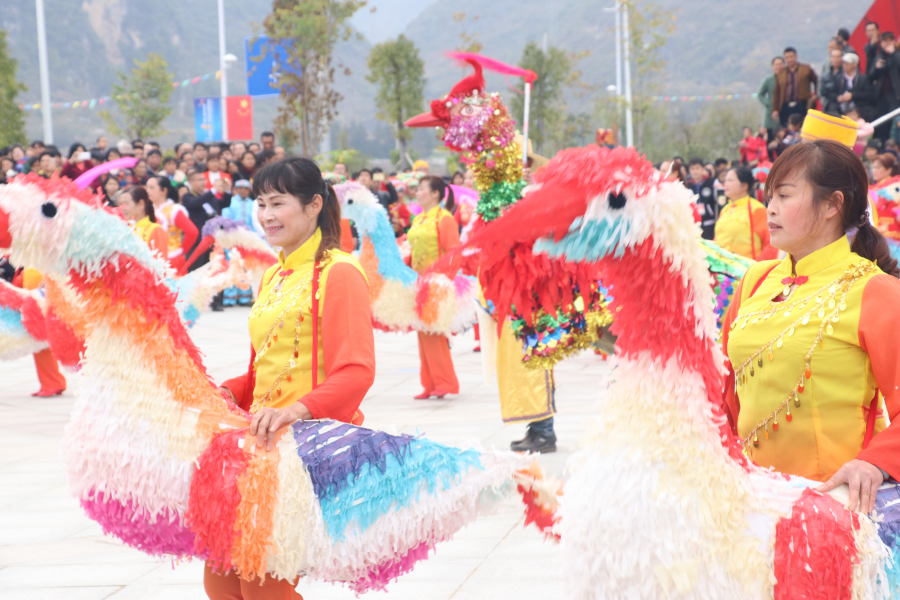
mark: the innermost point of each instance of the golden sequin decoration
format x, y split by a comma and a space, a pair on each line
299, 298
827, 304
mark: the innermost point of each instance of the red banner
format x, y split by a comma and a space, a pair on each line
239, 115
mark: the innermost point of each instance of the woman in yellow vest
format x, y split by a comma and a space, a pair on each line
313, 350
432, 234
812, 339
741, 227
136, 207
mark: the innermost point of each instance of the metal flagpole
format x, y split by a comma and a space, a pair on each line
45, 75
629, 124
525, 125
223, 79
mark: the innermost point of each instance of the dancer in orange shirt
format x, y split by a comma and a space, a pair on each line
312, 346
432, 234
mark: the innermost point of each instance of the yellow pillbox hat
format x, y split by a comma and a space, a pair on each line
819, 126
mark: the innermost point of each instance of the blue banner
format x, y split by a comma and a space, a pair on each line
264, 62
208, 119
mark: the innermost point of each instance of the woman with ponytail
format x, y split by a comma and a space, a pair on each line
812, 339
433, 233
312, 352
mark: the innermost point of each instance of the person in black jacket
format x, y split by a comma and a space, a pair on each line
886, 82
702, 185
203, 206
855, 90
831, 83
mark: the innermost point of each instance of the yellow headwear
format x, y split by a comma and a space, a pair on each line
420, 164
819, 126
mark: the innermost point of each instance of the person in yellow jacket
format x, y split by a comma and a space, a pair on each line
433, 233
812, 339
741, 227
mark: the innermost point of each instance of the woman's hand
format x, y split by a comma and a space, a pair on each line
863, 478
268, 421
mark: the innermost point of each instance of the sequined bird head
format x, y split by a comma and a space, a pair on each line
476, 124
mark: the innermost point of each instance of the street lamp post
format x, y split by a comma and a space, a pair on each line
45, 75
223, 77
629, 122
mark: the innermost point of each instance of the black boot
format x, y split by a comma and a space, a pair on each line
537, 442
217, 303
539, 438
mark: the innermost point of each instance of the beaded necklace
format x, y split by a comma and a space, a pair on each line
827, 303
299, 297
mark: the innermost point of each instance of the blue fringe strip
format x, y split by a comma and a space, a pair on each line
359, 474
588, 240
372, 222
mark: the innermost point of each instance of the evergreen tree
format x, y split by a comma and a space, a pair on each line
12, 120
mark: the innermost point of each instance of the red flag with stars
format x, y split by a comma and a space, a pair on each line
239, 113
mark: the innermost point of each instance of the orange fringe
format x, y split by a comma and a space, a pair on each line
188, 385
258, 486
431, 306
368, 260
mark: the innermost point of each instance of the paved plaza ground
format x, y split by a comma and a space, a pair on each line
50, 550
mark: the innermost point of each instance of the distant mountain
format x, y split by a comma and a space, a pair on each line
718, 46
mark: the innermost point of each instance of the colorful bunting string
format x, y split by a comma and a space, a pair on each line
95, 102
701, 98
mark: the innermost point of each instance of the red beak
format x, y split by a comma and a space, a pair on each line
5, 237
427, 120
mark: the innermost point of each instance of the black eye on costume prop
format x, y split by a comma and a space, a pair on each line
617, 201
48, 209
350, 201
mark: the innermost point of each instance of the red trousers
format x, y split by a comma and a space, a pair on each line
436, 372
48, 371
232, 587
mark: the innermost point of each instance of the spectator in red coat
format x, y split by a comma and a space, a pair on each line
753, 149
79, 162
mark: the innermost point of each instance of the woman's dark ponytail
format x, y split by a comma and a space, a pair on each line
870, 243
329, 221
437, 184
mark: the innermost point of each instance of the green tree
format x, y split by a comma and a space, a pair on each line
556, 70
398, 71
12, 121
308, 30
142, 99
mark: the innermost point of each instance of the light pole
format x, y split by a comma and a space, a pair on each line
45, 75
223, 77
629, 122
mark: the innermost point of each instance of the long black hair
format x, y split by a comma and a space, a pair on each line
745, 175
165, 184
139, 195
300, 177
437, 184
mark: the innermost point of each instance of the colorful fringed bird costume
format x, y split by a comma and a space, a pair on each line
402, 300
160, 460
662, 502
